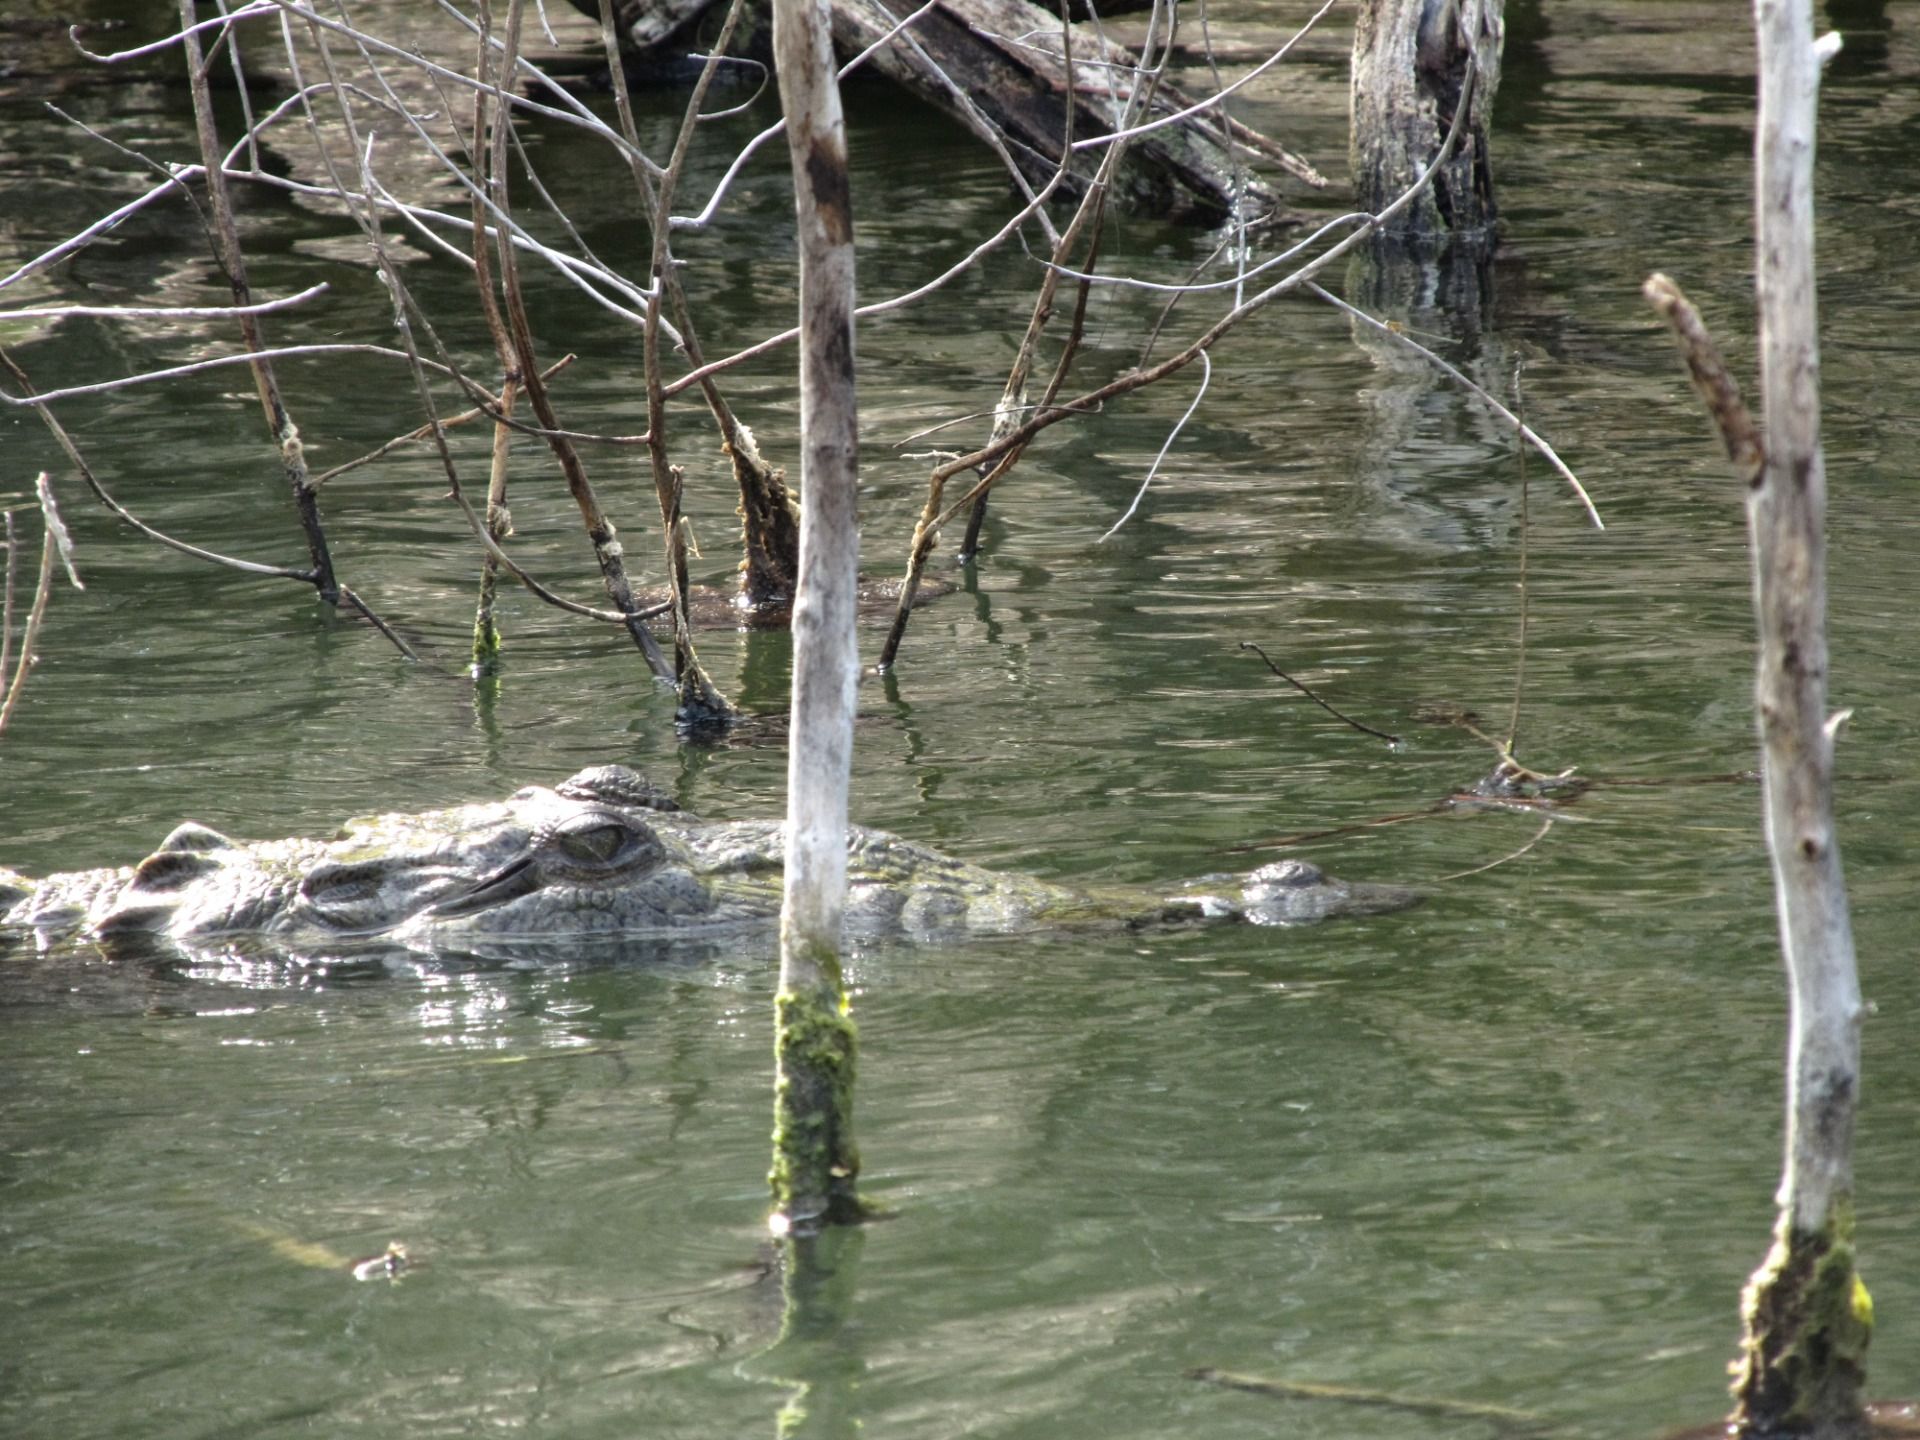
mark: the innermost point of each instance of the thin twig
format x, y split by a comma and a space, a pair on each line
56, 527
600, 532
232, 259
6, 592
1088, 220
1393, 740
489, 543
1141, 377
700, 700
1199, 394
425, 432
970, 260
570, 111
1520, 652
66, 443
174, 372
1538, 835
1335, 832
1510, 1420
779, 127
1160, 122
366, 613
126, 516
106, 223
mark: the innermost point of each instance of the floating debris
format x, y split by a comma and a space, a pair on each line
389, 1265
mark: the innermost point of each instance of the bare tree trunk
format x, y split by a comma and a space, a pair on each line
1806, 1315
1413, 61
815, 1162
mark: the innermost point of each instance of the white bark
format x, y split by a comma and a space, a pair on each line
815, 1162
826, 662
1786, 511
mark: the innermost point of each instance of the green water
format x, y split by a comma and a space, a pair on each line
1516, 1147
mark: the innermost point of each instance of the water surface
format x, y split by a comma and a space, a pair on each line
1516, 1147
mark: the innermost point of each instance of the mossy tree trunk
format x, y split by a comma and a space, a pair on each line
815, 1162
1413, 61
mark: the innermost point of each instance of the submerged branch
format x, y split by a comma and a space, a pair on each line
1514, 1422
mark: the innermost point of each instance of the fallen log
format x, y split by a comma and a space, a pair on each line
1000, 68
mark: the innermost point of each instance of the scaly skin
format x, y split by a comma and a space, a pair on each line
603, 853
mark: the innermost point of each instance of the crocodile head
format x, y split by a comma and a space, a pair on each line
601, 867
373, 876
199, 883
1298, 892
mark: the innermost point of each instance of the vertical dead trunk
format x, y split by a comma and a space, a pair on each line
1807, 1315
815, 1162
1413, 61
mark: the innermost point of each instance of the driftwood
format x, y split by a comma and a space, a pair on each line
998, 68
647, 24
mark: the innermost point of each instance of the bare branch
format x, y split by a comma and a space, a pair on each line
163, 312
1206, 376
1393, 740
217, 362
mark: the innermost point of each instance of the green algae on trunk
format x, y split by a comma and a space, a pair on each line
1807, 1318
815, 1160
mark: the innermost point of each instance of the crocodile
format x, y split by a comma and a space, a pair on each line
604, 853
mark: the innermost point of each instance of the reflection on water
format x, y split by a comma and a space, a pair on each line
1516, 1147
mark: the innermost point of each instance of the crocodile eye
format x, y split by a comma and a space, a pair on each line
592, 844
